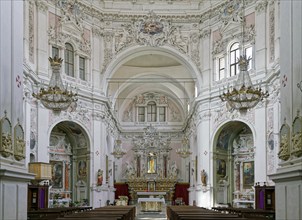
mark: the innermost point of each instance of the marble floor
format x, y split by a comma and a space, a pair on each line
151, 216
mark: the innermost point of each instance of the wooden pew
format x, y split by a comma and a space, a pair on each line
52, 213
248, 213
198, 213
107, 212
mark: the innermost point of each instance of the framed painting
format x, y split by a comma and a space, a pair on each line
221, 167
57, 174
248, 174
82, 168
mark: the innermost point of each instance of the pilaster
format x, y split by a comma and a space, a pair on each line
260, 144
203, 193
261, 36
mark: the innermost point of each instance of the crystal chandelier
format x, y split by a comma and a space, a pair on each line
243, 96
55, 97
118, 152
184, 151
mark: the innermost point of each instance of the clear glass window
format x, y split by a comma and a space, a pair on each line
82, 68
141, 114
69, 60
162, 114
54, 52
234, 56
151, 112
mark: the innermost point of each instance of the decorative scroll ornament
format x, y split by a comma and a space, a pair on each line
243, 96
152, 26
56, 97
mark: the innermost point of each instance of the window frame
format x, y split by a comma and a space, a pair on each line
69, 60
82, 70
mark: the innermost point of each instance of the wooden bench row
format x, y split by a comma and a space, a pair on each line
104, 213
52, 213
198, 213
247, 212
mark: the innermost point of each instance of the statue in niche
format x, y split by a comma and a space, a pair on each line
82, 168
100, 177
151, 164
204, 178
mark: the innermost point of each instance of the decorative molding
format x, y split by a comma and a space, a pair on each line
31, 39
261, 6
231, 12
272, 31
97, 31
42, 5
73, 113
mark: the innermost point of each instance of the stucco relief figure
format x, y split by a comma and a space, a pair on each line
129, 170
100, 177
173, 169
6, 148
203, 177
284, 148
297, 144
19, 149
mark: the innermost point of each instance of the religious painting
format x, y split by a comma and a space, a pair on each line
221, 167
223, 140
248, 174
82, 168
57, 174
151, 163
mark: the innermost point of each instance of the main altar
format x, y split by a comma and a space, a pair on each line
151, 178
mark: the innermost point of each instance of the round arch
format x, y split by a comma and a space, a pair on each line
233, 163
136, 51
79, 123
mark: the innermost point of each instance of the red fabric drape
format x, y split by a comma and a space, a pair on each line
181, 190
121, 190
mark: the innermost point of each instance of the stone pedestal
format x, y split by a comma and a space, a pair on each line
13, 191
288, 191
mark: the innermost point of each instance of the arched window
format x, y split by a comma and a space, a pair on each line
151, 112
69, 60
234, 55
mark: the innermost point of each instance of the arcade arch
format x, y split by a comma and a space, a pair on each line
69, 148
233, 165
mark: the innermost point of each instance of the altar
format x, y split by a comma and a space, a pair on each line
151, 204
150, 194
